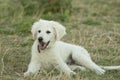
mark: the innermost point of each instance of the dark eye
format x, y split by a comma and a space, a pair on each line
48, 32
39, 31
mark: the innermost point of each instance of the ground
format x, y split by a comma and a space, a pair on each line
94, 24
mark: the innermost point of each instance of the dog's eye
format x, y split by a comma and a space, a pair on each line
48, 32
39, 31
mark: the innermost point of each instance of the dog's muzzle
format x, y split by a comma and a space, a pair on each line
42, 45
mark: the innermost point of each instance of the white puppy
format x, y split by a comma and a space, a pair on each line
49, 52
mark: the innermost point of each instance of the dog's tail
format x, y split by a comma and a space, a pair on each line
111, 67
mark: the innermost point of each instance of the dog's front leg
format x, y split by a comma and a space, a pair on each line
62, 66
34, 66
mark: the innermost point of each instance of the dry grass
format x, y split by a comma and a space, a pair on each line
94, 24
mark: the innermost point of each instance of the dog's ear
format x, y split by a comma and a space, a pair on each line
34, 29
59, 30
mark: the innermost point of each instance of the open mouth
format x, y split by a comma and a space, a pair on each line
43, 45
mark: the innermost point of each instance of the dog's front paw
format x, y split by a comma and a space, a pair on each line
26, 74
72, 73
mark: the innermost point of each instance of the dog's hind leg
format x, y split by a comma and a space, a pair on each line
81, 58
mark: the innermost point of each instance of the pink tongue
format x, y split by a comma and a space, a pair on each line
42, 45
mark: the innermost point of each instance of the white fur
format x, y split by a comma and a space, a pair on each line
57, 53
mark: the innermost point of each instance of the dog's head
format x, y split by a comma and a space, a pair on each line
47, 32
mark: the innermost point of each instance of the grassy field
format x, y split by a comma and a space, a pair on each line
94, 24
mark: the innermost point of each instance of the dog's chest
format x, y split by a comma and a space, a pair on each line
47, 60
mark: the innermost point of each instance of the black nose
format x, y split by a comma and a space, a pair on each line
40, 39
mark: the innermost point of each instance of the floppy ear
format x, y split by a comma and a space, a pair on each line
59, 30
34, 29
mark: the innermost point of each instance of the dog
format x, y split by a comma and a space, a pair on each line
49, 52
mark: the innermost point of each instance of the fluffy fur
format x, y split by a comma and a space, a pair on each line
49, 52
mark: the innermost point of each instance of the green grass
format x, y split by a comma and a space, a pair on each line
94, 24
